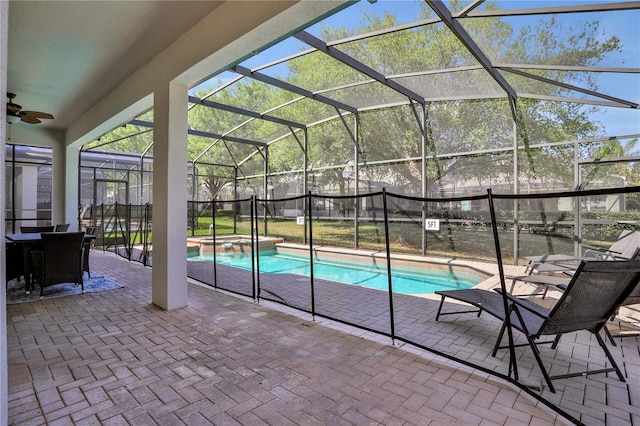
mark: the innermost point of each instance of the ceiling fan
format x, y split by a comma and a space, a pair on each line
15, 113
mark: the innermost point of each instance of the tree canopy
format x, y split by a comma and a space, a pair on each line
468, 122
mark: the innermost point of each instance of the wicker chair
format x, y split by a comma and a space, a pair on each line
28, 247
91, 230
60, 260
592, 296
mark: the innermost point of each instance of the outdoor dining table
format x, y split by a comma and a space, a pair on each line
28, 242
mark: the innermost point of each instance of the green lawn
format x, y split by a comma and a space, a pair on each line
405, 237
455, 242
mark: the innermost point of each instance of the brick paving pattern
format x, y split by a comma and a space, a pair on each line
113, 358
595, 399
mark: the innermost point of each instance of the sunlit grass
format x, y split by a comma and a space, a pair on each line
404, 237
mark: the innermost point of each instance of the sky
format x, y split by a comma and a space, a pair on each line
623, 24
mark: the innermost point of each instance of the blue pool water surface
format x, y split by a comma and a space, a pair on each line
405, 280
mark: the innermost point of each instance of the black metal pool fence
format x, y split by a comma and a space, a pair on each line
475, 235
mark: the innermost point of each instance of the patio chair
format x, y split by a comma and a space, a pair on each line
592, 296
626, 246
62, 227
35, 229
90, 230
632, 299
60, 260
561, 284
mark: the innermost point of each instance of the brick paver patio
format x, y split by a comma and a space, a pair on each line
112, 357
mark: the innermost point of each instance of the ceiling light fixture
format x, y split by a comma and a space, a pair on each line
12, 118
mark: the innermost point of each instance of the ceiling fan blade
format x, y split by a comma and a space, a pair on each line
37, 114
30, 119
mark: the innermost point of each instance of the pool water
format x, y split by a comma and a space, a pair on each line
404, 280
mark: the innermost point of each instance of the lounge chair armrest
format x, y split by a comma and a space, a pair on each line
530, 306
598, 253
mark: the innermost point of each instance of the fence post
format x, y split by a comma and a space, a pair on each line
496, 239
128, 228
304, 234
215, 251
236, 212
313, 293
102, 225
146, 230
390, 281
193, 218
423, 232
253, 237
356, 206
257, 251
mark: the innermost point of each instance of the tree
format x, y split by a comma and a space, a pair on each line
464, 126
453, 126
599, 174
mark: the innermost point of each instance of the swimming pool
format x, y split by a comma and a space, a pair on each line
406, 280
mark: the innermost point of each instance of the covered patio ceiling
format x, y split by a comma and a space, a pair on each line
92, 65
65, 56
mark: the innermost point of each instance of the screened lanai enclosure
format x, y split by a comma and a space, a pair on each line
396, 138
426, 99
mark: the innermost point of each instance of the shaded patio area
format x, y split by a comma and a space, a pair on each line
113, 358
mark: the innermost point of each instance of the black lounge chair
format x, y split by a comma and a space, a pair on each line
592, 296
626, 246
632, 299
60, 260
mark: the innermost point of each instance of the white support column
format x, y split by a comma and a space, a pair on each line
59, 187
4, 379
169, 288
26, 194
71, 196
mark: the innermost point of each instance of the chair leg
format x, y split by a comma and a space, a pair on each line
609, 356
609, 335
439, 313
536, 354
440, 307
500, 335
534, 348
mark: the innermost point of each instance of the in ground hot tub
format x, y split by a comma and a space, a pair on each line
233, 243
